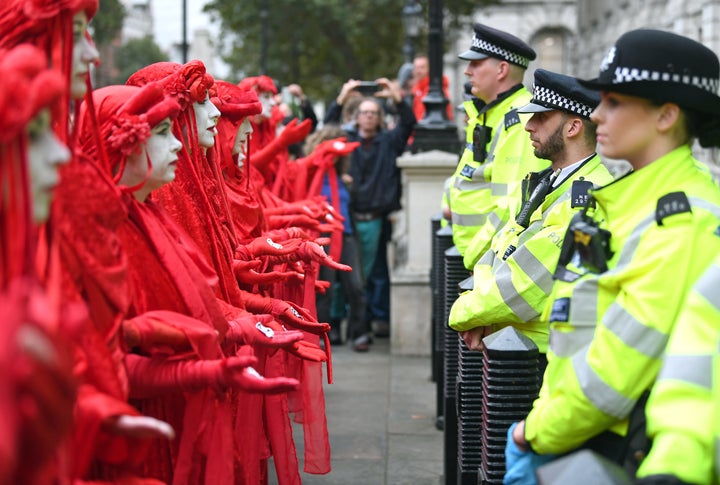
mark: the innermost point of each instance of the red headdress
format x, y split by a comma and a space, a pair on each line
47, 24
236, 104
125, 117
259, 84
22, 70
196, 199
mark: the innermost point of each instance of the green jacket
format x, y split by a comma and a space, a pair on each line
514, 290
683, 412
608, 330
479, 186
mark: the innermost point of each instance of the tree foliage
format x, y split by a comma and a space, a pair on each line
108, 21
134, 55
322, 43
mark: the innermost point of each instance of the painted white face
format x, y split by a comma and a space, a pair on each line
84, 53
206, 118
46, 153
267, 99
241, 141
162, 148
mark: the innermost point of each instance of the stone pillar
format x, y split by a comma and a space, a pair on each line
424, 176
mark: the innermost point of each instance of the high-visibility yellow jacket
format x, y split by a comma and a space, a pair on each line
478, 185
514, 291
608, 330
682, 418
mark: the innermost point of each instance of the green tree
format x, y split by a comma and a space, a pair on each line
108, 21
322, 43
134, 55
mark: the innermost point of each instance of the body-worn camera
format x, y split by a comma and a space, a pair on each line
367, 88
481, 137
590, 242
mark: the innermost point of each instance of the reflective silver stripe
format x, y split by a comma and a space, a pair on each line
583, 315
488, 258
495, 220
498, 131
646, 340
693, 369
511, 297
468, 220
584, 305
708, 284
499, 190
534, 268
478, 181
567, 344
598, 392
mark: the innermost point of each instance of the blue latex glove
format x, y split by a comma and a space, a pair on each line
520, 465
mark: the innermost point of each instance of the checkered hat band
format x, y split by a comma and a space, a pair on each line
629, 74
552, 99
497, 51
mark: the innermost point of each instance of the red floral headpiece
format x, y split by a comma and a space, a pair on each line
235, 103
31, 21
24, 74
187, 83
259, 83
126, 115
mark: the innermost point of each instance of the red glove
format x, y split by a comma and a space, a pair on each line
292, 316
265, 246
251, 381
261, 330
287, 233
321, 286
299, 220
309, 252
294, 132
151, 377
274, 335
151, 335
252, 277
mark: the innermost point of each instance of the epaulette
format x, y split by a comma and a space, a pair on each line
512, 118
579, 194
671, 204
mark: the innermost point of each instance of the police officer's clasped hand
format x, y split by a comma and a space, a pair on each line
520, 465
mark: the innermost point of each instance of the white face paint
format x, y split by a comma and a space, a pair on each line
84, 53
162, 147
206, 118
241, 142
46, 154
267, 99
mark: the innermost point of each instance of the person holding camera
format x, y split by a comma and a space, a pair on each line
376, 184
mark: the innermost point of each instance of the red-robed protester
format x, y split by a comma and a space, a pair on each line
37, 390
78, 256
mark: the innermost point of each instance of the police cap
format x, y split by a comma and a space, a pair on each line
663, 67
489, 42
553, 91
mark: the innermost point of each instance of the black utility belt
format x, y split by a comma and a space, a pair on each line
367, 216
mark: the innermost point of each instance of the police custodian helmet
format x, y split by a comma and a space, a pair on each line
662, 67
554, 91
489, 42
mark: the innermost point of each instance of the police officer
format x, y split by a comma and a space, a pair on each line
624, 277
497, 154
513, 278
684, 406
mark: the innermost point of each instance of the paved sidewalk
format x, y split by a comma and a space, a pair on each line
381, 415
